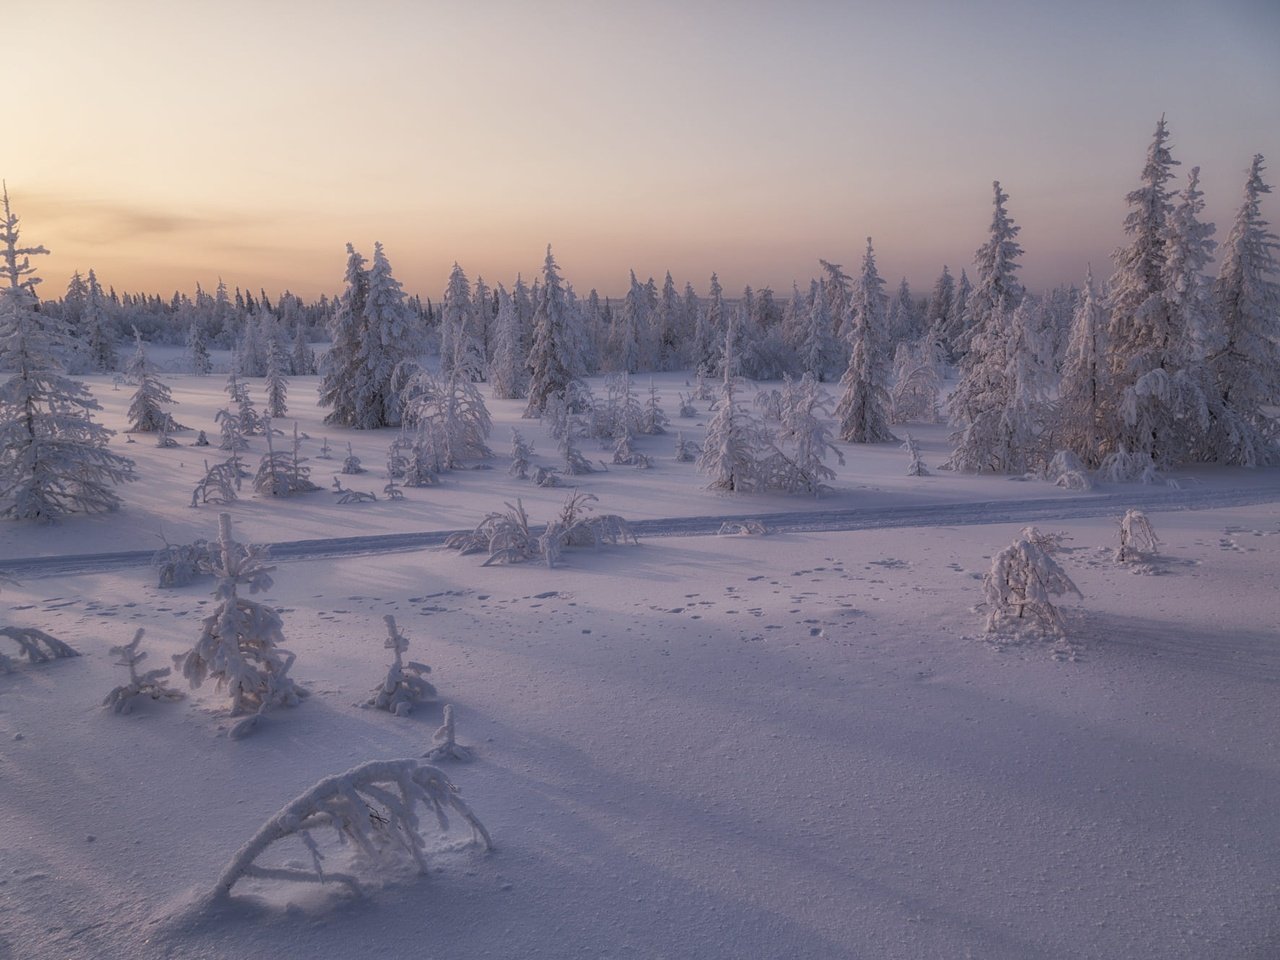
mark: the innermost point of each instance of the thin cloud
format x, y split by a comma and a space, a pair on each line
107, 221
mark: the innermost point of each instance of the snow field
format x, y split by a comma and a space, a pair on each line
796, 745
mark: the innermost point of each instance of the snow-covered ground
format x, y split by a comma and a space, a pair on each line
797, 745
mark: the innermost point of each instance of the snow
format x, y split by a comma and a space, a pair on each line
797, 745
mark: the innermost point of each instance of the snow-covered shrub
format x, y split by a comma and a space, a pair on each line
36, 645
405, 685
233, 435
352, 496
372, 808
575, 463
687, 410
769, 403
1125, 467
351, 463
742, 528
446, 746
451, 412
504, 535
150, 684
686, 450
1138, 541
916, 383
283, 474
546, 476
414, 458
220, 483
793, 458
507, 537
916, 467
1066, 470
326, 452
1023, 579
625, 455
239, 641
202, 439
392, 490
179, 564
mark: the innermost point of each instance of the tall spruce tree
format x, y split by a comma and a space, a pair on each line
1247, 292
863, 411
341, 365
53, 458
387, 339
550, 364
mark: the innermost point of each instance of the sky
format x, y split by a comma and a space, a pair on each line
168, 144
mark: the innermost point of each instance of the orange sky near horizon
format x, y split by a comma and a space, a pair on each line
172, 144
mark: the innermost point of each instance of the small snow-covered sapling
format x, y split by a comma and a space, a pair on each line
239, 642
354, 496
372, 807
521, 453
326, 452
1138, 541
916, 467
406, 684
351, 463
446, 747
1023, 578
150, 684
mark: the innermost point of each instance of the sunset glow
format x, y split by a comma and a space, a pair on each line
168, 144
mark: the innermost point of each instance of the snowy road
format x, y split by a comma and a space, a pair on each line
1036, 510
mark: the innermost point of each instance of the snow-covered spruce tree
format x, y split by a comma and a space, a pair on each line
282, 474
816, 347
277, 381
521, 454
1019, 588
941, 298
373, 808
1079, 415
670, 326
405, 685
864, 406
731, 447
96, 323
624, 337
915, 467
507, 372
977, 405
151, 684
220, 483
239, 642
550, 366
147, 413
459, 349
53, 458
838, 289
1247, 362
653, 419
386, 339
302, 361
1143, 336
198, 348
340, 367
